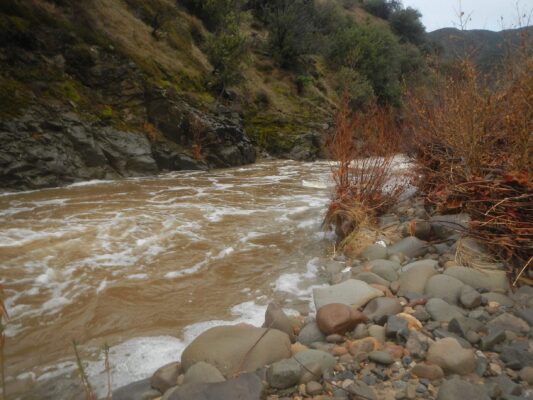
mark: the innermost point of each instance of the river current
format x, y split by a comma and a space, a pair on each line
146, 264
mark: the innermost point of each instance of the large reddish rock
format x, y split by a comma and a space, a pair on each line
338, 318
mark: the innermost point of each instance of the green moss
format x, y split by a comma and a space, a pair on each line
107, 112
14, 98
70, 92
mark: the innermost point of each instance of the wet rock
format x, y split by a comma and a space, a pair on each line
203, 372
361, 389
493, 338
456, 389
228, 348
338, 318
488, 280
526, 375
396, 328
385, 269
428, 371
377, 332
380, 308
526, 315
498, 298
374, 252
415, 278
284, 374
275, 318
140, 390
442, 311
451, 356
517, 355
246, 386
462, 325
313, 388
380, 357
352, 292
166, 377
371, 278
308, 358
444, 287
444, 226
310, 334
421, 313
415, 346
504, 386
469, 297
410, 247
509, 322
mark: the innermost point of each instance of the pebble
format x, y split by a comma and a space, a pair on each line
381, 357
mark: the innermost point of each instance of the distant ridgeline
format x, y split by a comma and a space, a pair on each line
100, 89
487, 49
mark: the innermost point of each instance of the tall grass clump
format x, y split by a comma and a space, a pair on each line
472, 138
362, 147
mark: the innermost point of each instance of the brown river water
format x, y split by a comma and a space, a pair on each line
146, 264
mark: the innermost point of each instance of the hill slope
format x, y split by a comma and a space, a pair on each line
108, 88
487, 49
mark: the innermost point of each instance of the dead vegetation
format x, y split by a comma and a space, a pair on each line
363, 146
473, 143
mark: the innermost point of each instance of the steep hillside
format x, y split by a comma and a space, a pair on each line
487, 49
107, 88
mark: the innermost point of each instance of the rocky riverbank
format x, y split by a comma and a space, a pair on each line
420, 314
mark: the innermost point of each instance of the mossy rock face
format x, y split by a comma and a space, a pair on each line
14, 98
15, 31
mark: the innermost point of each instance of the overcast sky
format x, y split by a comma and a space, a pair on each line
485, 14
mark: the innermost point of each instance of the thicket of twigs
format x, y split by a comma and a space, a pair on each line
362, 146
473, 143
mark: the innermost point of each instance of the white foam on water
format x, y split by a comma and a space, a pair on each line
297, 283
138, 277
139, 358
90, 183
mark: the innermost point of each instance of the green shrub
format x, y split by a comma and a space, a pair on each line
359, 90
406, 24
375, 53
226, 51
382, 8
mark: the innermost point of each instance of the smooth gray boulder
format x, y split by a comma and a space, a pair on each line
372, 278
166, 377
469, 297
374, 252
237, 348
498, 298
245, 386
386, 269
444, 226
509, 322
310, 334
448, 354
410, 247
276, 318
203, 372
414, 280
478, 279
382, 307
310, 358
351, 292
444, 287
455, 389
284, 374
441, 311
